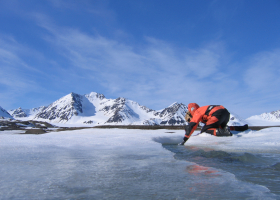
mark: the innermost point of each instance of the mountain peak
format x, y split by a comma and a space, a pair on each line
94, 95
121, 99
63, 109
174, 104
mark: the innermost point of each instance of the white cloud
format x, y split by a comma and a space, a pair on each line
263, 74
151, 71
11, 81
203, 63
156, 70
18, 76
155, 74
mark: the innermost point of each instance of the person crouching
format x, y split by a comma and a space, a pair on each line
215, 118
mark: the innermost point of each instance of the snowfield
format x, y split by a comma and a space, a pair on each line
258, 120
139, 164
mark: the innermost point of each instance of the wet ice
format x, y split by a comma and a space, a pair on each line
132, 164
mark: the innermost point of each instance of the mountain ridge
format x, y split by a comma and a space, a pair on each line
96, 109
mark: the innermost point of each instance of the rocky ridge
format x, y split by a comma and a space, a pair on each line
96, 109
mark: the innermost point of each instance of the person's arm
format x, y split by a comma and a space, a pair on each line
190, 128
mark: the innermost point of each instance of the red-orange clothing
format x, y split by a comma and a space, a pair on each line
202, 114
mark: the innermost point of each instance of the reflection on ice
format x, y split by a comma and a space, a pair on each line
201, 170
252, 168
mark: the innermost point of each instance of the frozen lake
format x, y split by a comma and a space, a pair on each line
139, 164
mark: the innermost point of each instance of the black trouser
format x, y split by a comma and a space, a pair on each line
223, 117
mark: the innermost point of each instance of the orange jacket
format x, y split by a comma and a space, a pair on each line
201, 114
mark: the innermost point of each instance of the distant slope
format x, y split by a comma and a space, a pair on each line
265, 119
235, 120
25, 113
4, 114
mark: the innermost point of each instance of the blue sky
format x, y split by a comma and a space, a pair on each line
155, 52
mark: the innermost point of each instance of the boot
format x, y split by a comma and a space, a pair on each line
223, 131
239, 128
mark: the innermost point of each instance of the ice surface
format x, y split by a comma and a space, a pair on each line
137, 164
262, 141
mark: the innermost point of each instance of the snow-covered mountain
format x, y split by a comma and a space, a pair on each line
4, 114
19, 112
272, 116
174, 114
95, 109
268, 118
26, 113
124, 111
235, 120
63, 109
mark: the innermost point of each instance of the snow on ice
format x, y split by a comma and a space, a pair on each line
139, 164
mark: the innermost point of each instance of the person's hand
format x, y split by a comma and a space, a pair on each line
182, 143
